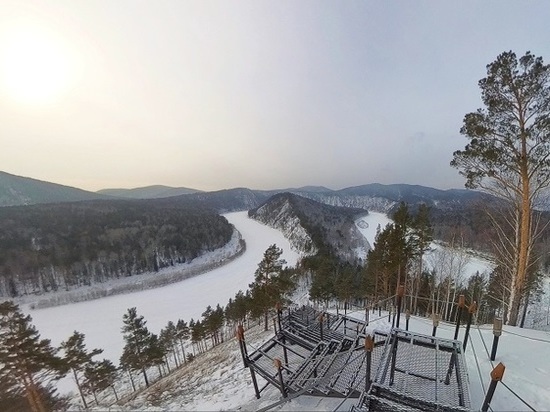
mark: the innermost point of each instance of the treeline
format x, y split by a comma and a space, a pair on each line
30, 366
63, 246
433, 278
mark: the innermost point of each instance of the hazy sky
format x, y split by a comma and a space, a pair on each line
260, 94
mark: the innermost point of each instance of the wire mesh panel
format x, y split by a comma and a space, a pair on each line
420, 372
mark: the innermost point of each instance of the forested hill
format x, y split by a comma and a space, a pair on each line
67, 245
18, 190
314, 227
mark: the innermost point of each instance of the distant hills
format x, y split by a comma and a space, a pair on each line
17, 190
148, 192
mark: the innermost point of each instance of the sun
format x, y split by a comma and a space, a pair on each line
34, 67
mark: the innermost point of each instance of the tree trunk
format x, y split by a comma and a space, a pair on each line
132, 381
524, 237
114, 391
80, 390
145, 377
525, 306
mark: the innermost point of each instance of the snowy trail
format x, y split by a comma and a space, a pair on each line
101, 320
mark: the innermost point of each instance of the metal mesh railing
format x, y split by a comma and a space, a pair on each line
420, 370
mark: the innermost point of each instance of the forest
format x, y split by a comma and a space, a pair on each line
66, 245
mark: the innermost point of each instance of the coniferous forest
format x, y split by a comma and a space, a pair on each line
63, 246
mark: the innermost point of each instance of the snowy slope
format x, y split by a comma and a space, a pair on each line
218, 381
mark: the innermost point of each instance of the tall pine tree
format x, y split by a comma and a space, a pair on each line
28, 364
135, 355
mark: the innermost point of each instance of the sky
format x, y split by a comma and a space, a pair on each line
260, 94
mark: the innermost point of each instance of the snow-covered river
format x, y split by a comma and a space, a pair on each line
101, 320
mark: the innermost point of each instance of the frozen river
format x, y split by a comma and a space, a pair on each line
101, 319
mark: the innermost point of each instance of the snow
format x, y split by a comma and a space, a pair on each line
368, 225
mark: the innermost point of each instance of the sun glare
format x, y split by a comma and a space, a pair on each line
34, 68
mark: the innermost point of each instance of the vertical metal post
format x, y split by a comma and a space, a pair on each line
471, 310
393, 358
389, 315
254, 382
496, 376
407, 318
497, 331
367, 316
369, 346
400, 294
461, 304
321, 325
279, 367
246, 360
435, 321
279, 314
450, 369
275, 326
240, 338
379, 309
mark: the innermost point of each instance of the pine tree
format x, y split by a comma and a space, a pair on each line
421, 238
169, 338
138, 342
78, 359
508, 155
183, 334
28, 364
100, 376
267, 288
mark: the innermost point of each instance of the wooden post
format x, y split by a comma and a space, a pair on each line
461, 304
275, 326
279, 367
379, 309
400, 294
389, 315
367, 315
407, 318
496, 376
369, 346
321, 325
471, 310
497, 331
435, 321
